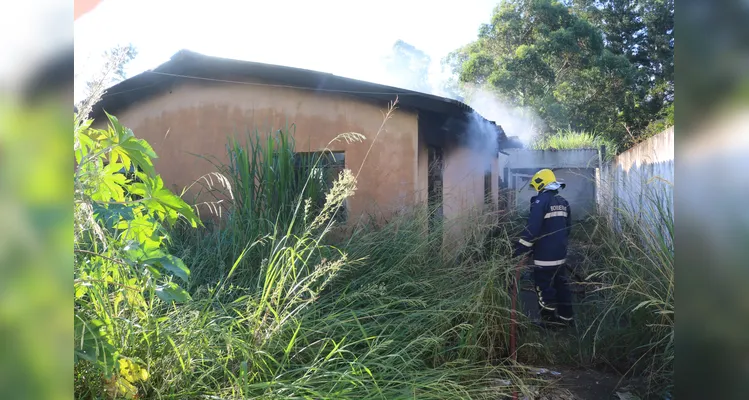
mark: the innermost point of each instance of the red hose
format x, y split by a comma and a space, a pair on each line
513, 318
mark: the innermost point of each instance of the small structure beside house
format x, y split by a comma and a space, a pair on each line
433, 150
576, 168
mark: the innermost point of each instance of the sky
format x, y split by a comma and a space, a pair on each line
344, 37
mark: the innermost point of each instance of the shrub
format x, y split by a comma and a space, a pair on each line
123, 274
570, 140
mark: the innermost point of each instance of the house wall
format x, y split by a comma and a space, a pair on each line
463, 182
466, 215
198, 117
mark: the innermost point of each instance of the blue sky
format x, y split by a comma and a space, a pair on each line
344, 37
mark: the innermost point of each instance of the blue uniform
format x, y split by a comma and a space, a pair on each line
546, 235
548, 229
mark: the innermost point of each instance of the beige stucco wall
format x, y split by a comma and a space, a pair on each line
198, 117
464, 182
465, 213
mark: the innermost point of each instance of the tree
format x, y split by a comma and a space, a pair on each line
658, 17
642, 31
539, 54
409, 67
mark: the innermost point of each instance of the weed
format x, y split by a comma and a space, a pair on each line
569, 139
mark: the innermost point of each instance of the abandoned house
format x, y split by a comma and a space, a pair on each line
427, 152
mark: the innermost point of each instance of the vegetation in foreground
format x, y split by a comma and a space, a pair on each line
271, 308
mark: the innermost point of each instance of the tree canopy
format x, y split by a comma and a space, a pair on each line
604, 67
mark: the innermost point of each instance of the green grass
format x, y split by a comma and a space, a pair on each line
625, 320
571, 140
280, 309
635, 265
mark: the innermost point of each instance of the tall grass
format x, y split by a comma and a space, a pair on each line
631, 261
570, 140
624, 264
271, 191
279, 312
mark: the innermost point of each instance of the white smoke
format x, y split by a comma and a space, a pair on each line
481, 135
481, 138
520, 122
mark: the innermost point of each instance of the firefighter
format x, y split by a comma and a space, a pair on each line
545, 237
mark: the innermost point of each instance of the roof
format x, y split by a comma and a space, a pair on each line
187, 64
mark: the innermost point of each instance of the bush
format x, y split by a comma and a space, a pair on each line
123, 276
570, 140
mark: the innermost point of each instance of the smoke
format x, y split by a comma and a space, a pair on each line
411, 68
522, 123
481, 135
481, 138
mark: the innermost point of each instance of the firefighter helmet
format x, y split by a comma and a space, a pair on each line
542, 179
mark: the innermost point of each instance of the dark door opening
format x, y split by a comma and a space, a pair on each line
434, 187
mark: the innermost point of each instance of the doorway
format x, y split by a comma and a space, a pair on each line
435, 187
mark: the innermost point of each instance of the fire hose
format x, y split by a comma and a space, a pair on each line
513, 313
513, 317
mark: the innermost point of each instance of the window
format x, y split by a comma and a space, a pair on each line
323, 169
435, 171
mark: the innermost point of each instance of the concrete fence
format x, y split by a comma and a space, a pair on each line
639, 182
576, 168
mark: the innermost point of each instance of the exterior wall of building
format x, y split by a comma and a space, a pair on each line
198, 117
464, 182
466, 214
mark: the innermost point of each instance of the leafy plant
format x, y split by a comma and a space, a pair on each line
122, 267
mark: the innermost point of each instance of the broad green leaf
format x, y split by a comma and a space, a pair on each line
111, 214
142, 251
174, 202
139, 146
92, 343
139, 189
120, 131
172, 264
143, 162
80, 290
121, 157
170, 292
86, 143
85, 125
114, 185
114, 168
154, 271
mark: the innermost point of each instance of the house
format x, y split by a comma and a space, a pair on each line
190, 105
